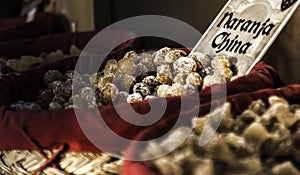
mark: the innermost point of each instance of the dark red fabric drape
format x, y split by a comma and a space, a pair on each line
17, 28
52, 128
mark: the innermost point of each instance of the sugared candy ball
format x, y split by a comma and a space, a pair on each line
194, 79
213, 79
147, 60
201, 59
111, 66
132, 56
179, 78
52, 75
58, 88
126, 66
133, 98
164, 77
177, 89
109, 93
222, 61
142, 88
224, 72
46, 95
103, 80
54, 106
185, 65
164, 91
151, 81
159, 56
164, 74
173, 55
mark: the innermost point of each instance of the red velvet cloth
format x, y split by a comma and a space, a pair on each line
50, 43
44, 23
239, 103
50, 129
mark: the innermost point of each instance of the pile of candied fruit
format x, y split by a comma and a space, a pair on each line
262, 140
136, 77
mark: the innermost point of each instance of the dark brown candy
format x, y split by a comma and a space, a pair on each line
59, 100
46, 95
52, 75
142, 88
58, 88
151, 81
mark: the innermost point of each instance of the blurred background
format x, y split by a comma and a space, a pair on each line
94, 15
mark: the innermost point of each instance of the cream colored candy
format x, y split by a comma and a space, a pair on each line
256, 133
213, 79
111, 66
177, 89
201, 57
164, 75
173, 55
126, 66
222, 61
179, 78
109, 92
135, 97
185, 65
159, 56
194, 79
147, 60
103, 80
132, 56
164, 91
224, 72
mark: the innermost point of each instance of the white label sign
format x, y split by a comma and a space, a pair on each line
245, 29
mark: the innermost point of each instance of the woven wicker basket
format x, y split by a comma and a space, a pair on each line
54, 162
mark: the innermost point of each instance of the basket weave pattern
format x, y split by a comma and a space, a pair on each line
23, 162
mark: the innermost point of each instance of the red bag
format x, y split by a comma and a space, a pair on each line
239, 103
49, 130
44, 23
